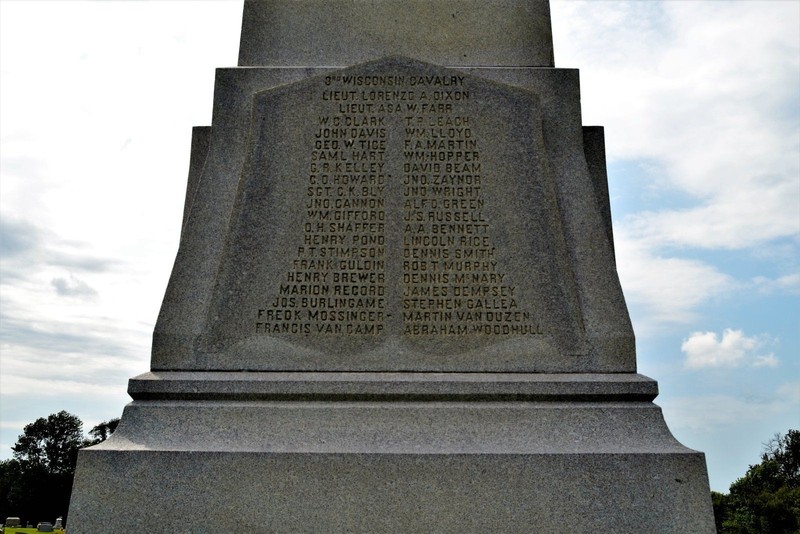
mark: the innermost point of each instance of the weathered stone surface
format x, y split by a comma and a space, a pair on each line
299, 492
413, 225
594, 147
280, 466
228, 385
546, 270
321, 33
201, 138
317, 367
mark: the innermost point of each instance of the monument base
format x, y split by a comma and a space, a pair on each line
391, 452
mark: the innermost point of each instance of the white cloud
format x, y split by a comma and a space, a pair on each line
73, 287
21, 385
95, 131
705, 413
678, 84
790, 391
736, 217
768, 360
669, 290
788, 284
715, 117
733, 349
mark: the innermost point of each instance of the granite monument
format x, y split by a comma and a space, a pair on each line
395, 305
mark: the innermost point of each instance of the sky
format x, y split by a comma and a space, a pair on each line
701, 107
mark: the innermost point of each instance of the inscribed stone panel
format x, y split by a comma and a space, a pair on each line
395, 215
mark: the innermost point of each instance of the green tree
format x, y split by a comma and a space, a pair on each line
785, 450
766, 500
10, 475
36, 483
102, 431
720, 503
38, 480
51, 444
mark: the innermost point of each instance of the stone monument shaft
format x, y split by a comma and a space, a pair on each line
395, 305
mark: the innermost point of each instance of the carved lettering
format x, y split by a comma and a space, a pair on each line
379, 140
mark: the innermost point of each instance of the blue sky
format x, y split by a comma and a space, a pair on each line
701, 107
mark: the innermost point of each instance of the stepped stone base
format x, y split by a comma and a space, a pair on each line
289, 452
